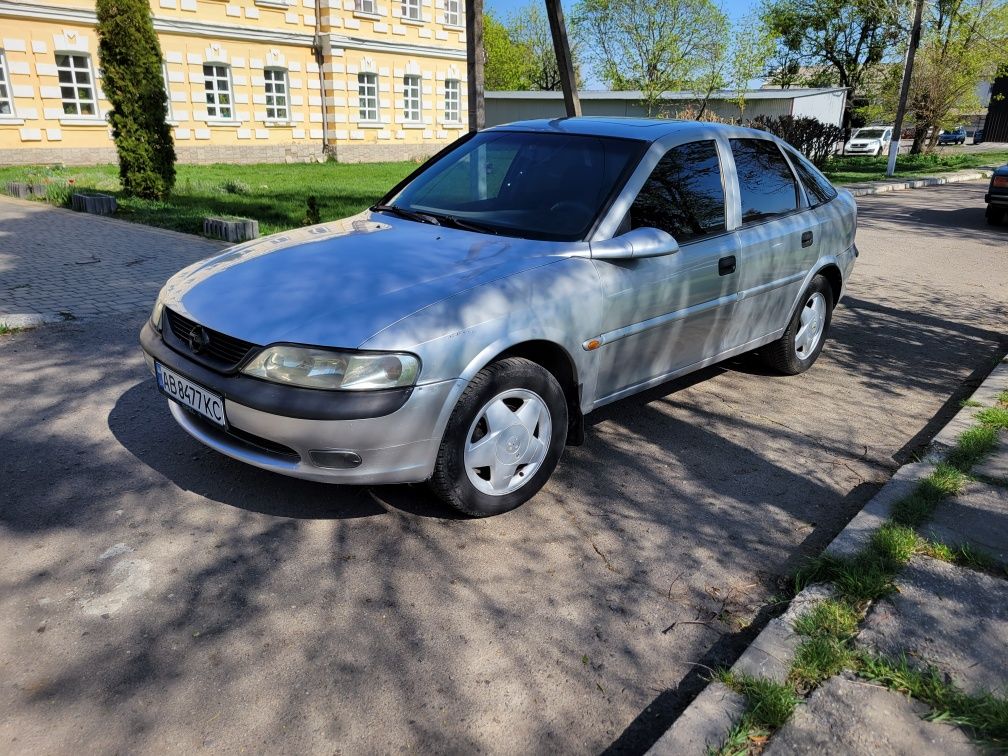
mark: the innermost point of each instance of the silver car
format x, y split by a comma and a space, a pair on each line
460, 330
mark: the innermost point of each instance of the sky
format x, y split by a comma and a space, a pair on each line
735, 9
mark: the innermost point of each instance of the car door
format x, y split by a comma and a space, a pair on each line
664, 314
778, 240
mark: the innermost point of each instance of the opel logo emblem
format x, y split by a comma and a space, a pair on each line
199, 339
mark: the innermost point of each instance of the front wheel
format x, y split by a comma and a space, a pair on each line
503, 439
802, 341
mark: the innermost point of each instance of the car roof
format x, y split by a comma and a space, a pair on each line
642, 129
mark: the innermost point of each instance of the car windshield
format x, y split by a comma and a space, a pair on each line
533, 185
870, 133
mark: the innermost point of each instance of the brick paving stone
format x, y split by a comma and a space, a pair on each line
41, 246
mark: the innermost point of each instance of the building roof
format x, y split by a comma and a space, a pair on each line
636, 95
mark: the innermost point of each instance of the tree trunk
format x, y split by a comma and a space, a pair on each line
920, 132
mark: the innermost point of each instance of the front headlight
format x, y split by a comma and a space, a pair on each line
155, 317
327, 369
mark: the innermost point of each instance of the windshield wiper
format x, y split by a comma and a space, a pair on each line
467, 225
407, 214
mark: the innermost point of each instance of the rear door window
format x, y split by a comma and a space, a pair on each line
766, 184
684, 195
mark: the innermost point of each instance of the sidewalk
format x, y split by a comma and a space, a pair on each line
56, 264
863, 188
904, 649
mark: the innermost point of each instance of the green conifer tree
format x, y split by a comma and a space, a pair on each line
132, 80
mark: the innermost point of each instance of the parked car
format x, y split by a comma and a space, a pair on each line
873, 140
997, 196
978, 136
459, 331
953, 136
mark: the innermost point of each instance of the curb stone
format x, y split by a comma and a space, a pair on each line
773, 649
865, 188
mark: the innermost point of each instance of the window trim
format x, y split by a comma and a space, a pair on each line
216, 117
363, 79
285, 80
406, 5
96, 116
458, 103
370, 13
788, 150
457, 23
5, 80
408, 113
799, 194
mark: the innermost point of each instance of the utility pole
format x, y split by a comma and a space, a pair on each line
894, 142
561, 47
475, 59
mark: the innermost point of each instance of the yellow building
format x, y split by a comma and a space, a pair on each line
247, 80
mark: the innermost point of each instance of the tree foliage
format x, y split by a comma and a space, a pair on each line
833, 41
519, 51
132, 80
507, 60
964, 42
655, 46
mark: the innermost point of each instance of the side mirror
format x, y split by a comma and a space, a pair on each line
641, 242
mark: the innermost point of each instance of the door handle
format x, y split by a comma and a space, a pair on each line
806, 239
726, 265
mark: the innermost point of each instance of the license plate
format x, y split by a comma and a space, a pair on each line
191, 395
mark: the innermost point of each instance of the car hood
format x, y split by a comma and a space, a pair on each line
340, 283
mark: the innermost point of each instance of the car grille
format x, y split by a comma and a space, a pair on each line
219, 351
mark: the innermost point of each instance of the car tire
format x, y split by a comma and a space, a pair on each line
527, 447
796, 350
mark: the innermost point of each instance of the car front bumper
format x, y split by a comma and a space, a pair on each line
397, 447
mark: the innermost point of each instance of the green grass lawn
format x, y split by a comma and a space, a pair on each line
275, 195
849, 170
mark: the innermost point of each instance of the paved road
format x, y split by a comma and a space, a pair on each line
157, 597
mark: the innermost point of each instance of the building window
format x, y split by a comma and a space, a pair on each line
217, 83
411, 9
365, 6
453, 101
452, 15
6, 101
411, 97
76, 85
167, 91
367, 95
276, 94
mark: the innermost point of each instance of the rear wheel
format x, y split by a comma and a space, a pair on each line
797, 349
503, 440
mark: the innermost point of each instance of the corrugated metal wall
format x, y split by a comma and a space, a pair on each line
826, 106
996, 125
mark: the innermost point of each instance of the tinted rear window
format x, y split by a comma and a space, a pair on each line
767, 186
817, 187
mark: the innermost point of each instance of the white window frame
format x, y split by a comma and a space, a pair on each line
453, 101
274, 76
6, 93
368, 7
167, 90
215, 109
367, 97
411, 10
412, 100
76, 101
453, 12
